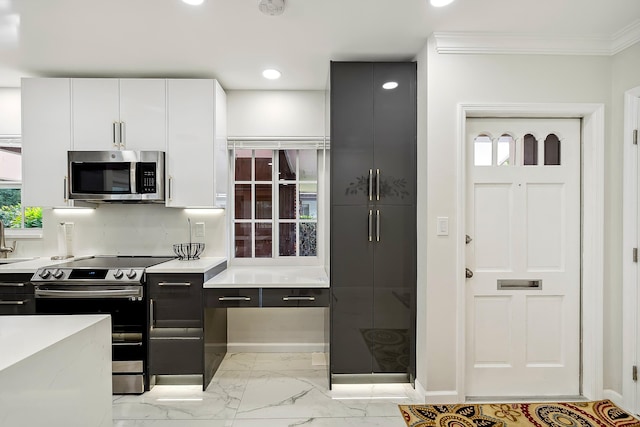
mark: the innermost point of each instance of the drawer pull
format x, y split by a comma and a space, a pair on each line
298, 298
173, 338
234, 299
174, 284
132, 344
11, 285
23, 302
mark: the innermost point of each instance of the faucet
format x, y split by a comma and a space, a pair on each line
4, 250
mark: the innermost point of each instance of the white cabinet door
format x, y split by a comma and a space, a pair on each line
191, 167
125, 114
46, 138
221, 154
96, 114
143, 114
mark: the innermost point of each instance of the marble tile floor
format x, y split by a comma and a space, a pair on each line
266, 390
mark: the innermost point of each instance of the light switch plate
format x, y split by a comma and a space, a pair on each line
442, 226
199, 229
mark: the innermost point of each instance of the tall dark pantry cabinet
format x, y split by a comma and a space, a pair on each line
373, 221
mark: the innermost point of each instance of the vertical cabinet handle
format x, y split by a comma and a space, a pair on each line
370, 184
170, 187
115, 143
151, 316
65, 194
377, 225
377, 184
122, 135
370, 225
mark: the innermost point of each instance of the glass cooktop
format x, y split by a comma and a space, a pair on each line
115, 262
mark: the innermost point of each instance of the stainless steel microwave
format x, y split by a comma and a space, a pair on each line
116, 176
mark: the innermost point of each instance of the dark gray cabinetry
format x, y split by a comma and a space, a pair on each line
16, 294
176, 325
373, 218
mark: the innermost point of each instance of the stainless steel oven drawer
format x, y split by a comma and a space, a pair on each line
128, 384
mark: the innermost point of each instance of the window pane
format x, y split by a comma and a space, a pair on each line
243, 165
506, 148
308, 201
308, 160
263, 201
243, 201
288, 239
287, 167
307, 239
482, 151
243, 240
10, 210
530, 150
552, 150
263, 240
32, 217
287, 201
264, 165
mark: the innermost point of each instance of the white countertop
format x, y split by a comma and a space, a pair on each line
270, 277
30, 266
24, 336
201, 265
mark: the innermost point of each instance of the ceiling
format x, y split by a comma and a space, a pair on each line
232, 41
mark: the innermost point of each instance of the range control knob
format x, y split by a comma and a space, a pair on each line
44, 274
58, 273
118, 274
131, 274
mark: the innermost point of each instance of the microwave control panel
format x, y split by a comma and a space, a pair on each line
146, 177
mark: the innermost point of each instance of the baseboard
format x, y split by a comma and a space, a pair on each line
421, 391
615, 397
442, 397
275, 347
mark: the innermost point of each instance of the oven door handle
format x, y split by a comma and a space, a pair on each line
114, 293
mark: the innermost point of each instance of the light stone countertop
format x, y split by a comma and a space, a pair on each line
31, 265
201, 265
270, 277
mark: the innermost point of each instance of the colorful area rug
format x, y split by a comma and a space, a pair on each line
602, 413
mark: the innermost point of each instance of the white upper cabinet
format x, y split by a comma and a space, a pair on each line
46, 138
119, 114
197, 161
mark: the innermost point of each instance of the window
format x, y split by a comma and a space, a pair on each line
12, 213
275, 203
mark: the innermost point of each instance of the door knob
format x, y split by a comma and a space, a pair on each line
467, 239
468, 273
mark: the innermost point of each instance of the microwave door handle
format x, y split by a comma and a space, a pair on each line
134, 182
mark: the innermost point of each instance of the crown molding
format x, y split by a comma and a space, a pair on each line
510, 43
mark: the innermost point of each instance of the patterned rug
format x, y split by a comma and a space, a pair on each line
602, 413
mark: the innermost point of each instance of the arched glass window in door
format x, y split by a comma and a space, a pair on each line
530, 150
552, 150
506, 151
482, 151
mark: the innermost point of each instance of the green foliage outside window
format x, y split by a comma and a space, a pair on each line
11, 210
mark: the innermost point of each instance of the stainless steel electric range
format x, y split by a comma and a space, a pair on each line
114, 285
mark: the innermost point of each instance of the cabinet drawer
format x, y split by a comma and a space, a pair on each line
295, 297
17, 304
175, 300
176, 355
232, 297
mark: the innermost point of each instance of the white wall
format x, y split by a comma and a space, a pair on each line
454, 79
10, 111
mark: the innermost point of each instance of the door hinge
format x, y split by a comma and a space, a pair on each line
635, 373
635, 136
635, 254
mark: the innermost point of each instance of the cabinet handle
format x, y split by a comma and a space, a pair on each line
65, 194
234, 299
115, 143
133, 344
151, 316
174, 284
370, 184
170, 187
11, 285
378, 225
377, 184
173, 338
122, 135
370, 225
298, 298
23, 302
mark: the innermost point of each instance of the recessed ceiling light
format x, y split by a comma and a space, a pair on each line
440, 3
390, 85
271, 74
193, 2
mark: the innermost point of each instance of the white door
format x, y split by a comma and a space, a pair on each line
523, 221
96, 113
143, 114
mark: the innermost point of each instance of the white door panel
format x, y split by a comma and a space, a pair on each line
524, 220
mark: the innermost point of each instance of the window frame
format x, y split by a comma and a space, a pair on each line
317, 144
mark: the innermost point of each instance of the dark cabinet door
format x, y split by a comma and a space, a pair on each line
391, 336
351, 248
351, 132
394, 127
176, 300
